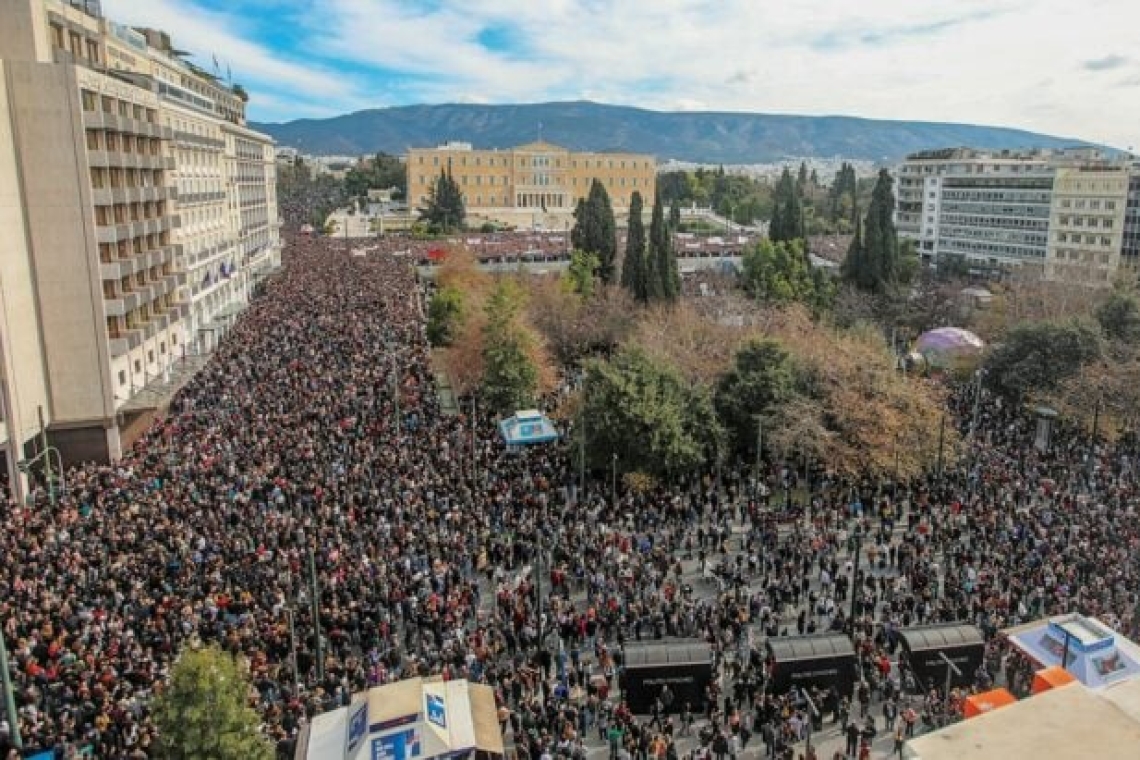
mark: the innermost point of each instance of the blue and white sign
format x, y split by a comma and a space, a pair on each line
436, 710
356, 728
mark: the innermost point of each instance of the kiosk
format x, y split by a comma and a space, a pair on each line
686, 665
924, 647
826, 660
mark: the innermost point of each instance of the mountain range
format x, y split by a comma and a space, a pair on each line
703, 137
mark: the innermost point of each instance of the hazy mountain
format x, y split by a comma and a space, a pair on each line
711, 137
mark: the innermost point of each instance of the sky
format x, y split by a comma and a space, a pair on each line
1056, 66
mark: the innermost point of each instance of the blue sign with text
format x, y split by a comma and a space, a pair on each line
436, 710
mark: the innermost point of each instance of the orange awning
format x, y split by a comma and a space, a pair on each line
1051, 678
977, 704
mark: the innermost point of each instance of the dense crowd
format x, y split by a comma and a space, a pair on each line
315, 429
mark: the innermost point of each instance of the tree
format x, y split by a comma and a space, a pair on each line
663, 268
203, 710
444, 211
635, 270
787, 211
595, 230
759, 381
1035, 357
674, 215
782, 272
580, 274
380, 172
1119, 317
874, 261
646, 414
445, 312
510, 376
843, 195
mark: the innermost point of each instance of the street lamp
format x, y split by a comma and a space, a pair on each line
977, 402
9, 697
613, 483
857, 545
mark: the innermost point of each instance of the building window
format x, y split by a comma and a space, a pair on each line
122, 377
150, 356
138, 366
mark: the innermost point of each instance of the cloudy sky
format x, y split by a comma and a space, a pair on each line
1056, 66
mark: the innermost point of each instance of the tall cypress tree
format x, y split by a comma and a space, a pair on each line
444, 210
787, 211
595, 230
876, 265
664, 266
634, 274
675, 215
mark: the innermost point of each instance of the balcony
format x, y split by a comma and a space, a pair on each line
124, 341
118, 307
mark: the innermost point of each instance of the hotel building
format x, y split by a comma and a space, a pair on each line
125, 185
537, 184
1062, 212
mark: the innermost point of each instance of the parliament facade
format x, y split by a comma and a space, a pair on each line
537, 184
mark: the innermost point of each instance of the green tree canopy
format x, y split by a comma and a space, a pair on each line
635, 270
203, 712
444, 211
664, 274
581, 272
760, 380
1119, 317
1035, 357
874, 262
445, 313
648, 415
782, 272
595, 230
787, 211
510, 377
380, 172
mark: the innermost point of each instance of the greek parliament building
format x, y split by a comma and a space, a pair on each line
137, 213
533, 185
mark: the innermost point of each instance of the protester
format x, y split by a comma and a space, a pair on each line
287, 461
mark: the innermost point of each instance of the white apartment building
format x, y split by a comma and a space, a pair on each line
116, 196
1003, 208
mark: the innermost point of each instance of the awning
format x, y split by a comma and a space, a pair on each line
987, 701
526, 427
1051, 678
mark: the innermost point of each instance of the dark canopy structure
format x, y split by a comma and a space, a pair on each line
685, 665
923, 647
826, 660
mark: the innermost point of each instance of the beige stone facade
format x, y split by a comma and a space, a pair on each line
1086, 224
537, 183
115, 189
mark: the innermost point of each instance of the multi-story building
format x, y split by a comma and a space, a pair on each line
1004, 208
1131, 247
107, 209
536, 184
975, 204
1086, 223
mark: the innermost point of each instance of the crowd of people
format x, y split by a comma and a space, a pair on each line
315, 432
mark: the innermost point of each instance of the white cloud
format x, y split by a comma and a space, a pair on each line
208, 34
1021, 63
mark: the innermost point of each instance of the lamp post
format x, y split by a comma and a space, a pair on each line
941, 441
759, 447
9, 697
613, 481
977, 402
857, 545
